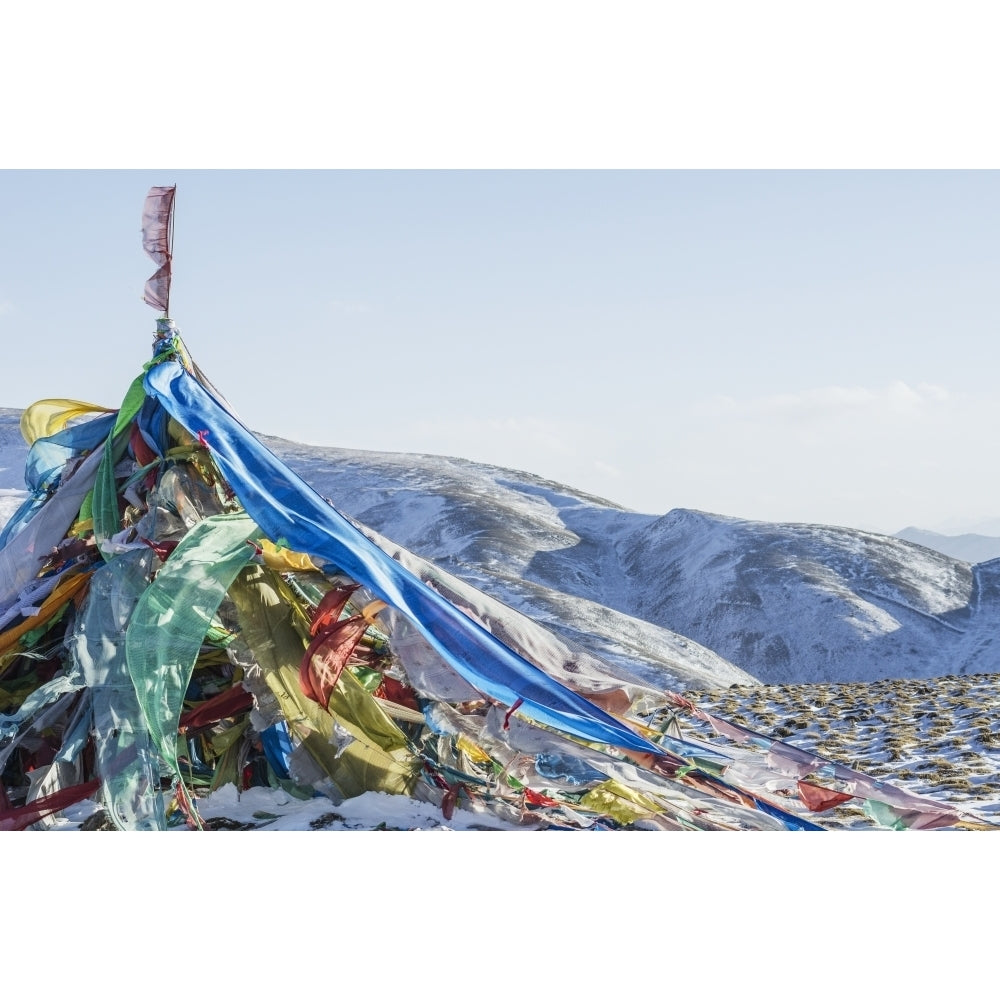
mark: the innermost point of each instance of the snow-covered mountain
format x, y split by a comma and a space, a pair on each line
703, 594
687, 600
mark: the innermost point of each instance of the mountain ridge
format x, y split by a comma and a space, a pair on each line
785, 603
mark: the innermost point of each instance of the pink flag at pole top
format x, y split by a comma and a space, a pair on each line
156, 238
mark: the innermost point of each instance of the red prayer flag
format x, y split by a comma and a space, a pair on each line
819, 799
331, 607
326, 657
400, 694
157, 237
225, 705
24, 816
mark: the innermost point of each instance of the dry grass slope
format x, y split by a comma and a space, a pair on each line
937, 737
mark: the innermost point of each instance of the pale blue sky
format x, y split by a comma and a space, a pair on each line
782, 345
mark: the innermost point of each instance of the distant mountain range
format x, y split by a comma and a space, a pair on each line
972, 548
687, 600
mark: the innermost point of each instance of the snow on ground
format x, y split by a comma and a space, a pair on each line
10, 500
